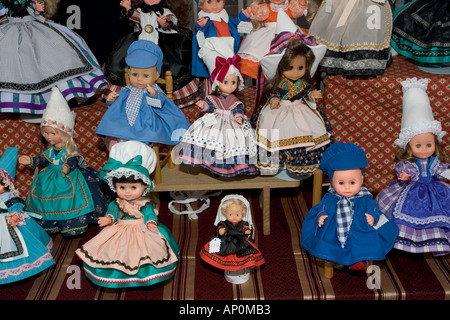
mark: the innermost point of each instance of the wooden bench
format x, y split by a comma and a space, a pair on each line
188, 178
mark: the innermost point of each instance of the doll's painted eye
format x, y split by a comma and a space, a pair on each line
134, 74
341, 183
146, 76
353, 183
429, 145
418, 146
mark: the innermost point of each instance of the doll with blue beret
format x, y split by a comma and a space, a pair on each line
347, 227
141, 111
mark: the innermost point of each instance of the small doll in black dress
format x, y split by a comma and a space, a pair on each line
232, 249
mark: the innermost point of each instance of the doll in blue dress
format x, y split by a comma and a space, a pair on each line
347, 227
141, 111
419, 200
25, 248
66, 192
133, 249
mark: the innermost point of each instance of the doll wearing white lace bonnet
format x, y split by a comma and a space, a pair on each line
417, 117
130, 158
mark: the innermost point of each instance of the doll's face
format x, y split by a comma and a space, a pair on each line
297, 68
347, 183
213, 6
2, 188
130, 191
423, 145
143, 77
53, 136
234, 213
152, 2
229, 84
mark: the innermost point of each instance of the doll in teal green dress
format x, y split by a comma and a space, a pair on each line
25, 248
66, 192
151, 254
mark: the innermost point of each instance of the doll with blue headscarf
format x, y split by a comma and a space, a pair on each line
141, 111
347, 227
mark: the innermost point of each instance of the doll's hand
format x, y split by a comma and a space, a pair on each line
370, 219
274, 103
65, 169
126, 4
322, 220
201, 104
25, 160
238, 120
202, 21
13, 218
260, 12
221, 231
152, 227
104, 221
151, 90
112, 96
296, 9
404, 176
317, 94
163, 21
39, 5
247, 12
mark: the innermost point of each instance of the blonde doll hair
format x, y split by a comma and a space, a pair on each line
231, 201
406, 153
69, 142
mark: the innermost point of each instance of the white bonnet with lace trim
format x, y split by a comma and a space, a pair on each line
417, 117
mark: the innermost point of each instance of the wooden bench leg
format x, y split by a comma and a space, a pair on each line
264, 202
329, 269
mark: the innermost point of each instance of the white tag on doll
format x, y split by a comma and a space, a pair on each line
209, 119
328, 6
245, 27
214, 245
381, 221
154, 102
200, 38
446, 174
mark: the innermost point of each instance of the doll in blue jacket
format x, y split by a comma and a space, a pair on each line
141, 111
347, 227
214, 23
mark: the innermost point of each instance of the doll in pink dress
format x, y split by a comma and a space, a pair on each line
133, 249
419, 200
256, 44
